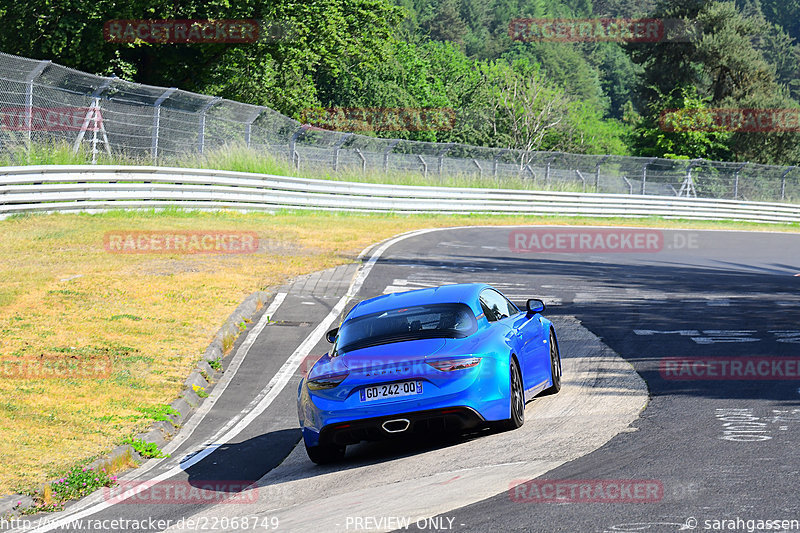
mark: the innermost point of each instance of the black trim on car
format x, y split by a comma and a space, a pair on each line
443, 420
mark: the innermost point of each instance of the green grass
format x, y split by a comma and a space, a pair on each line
153, 316
148, 450
73, 484
238, 158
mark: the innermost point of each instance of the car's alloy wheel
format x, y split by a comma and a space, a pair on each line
555, 366
324, 454
517, 399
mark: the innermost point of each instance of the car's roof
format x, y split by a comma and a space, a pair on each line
463, 292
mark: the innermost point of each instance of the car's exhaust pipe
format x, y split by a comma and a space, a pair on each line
396, 426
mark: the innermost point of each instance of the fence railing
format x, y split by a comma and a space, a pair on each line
72, 188
44, 102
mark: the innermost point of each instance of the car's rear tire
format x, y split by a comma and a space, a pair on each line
555, 367
517, 399
324, 454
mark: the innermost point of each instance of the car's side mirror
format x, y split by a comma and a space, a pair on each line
331, 335
534, 305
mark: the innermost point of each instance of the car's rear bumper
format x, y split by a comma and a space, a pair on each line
433, 421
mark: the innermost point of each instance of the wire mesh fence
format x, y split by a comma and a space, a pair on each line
41, 102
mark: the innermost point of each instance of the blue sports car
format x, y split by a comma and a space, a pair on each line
450, 358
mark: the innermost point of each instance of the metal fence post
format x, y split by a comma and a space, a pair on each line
157, 122
201, 134
578, 172
736, 180
783, 183
32, 75
424, 166
249, 125
480, 170
294, 157
496, 162
644, 174
387, 152
547, 171
529, 169
597, 172
336, 149
441, 155
630, 185
363, 160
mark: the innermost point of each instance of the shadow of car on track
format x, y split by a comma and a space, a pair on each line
246, 461
253, 458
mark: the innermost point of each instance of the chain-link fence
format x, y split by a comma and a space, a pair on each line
41, 102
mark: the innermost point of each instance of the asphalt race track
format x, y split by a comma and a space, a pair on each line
706, 445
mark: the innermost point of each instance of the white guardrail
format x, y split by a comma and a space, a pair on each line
68, 188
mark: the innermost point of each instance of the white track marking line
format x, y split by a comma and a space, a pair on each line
354, 287
197, 418
265, 397
194, 421
230, 372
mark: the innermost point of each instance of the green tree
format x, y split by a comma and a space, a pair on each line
447, 24
680, 124
727, 68
324, 41
786, 13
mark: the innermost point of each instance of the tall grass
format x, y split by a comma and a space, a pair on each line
239, 158
23, 154
243, 159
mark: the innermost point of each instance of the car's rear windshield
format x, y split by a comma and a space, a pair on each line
451, 320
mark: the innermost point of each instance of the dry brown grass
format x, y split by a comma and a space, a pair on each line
63, 295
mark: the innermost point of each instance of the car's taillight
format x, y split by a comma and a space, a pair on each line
326, 382
448, 365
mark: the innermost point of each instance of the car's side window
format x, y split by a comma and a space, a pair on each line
490, 316
496, 306
512, 308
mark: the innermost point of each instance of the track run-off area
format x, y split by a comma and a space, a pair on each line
680, 406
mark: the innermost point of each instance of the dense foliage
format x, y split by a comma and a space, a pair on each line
586, 97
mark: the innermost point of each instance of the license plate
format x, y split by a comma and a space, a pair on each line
391, 390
